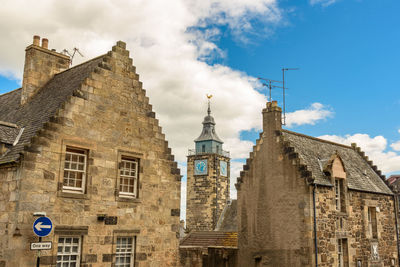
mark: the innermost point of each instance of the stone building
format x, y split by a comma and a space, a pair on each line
210, 215
208, 171
82, 145
303, 201
394, 184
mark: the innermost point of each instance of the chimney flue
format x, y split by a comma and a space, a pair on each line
36, 40
45, 43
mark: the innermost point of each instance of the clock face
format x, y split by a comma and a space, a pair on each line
223, 168
200, 167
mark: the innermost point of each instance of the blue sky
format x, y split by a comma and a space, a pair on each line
346, 89
348, 58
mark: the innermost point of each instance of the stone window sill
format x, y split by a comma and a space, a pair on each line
341, 213
128, 199
72, 195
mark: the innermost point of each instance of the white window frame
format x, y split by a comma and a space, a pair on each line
135, 161
337, 195
77, 254
126, 253
340, 252
73, 189
370, 223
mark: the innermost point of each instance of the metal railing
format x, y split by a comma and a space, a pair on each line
192, 152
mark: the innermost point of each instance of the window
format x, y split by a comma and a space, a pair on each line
125, 252
203, 148
340, 199
340, 253
343, 260
372, 222
128, 177
74, 170
68, 251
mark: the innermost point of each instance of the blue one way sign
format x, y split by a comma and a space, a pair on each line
42, 226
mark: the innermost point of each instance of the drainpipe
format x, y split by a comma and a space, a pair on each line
396, 211
315, 227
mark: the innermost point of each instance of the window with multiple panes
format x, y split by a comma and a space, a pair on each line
372, 222
128, 177
340, 200
74, 170
343, 260
340, 253
68, 251
125, 249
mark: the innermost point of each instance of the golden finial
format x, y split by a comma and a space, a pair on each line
209, 96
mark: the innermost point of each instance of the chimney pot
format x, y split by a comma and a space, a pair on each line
45, 43
36, 40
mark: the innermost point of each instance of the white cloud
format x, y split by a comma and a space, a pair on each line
183, 199
322, 2
170, 43
374, 147
167, 46
396, 146
236, 168
316, 112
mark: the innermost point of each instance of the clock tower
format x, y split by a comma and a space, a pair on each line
208, 169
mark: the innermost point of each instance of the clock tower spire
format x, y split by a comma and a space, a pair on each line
207, 178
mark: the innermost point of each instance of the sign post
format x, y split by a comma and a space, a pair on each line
41, 227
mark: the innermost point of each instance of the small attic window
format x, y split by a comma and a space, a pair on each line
3, 149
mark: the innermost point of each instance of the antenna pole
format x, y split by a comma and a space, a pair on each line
283, 91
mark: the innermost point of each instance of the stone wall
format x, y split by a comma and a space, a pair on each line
275, 212
353, 226
207, 195
274, 209
110, 117
208, 257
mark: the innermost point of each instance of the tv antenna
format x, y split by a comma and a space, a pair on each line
270, 84
283, 91
76, 50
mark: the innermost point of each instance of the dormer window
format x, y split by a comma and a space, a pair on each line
340, 200
335, 168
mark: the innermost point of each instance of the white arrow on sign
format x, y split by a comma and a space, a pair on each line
39, 226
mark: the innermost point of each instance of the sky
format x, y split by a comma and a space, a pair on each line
346, 51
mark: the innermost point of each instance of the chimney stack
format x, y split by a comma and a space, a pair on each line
41, 64
272, 117
45, 43
36, 40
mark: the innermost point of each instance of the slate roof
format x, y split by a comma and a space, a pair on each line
43, 105
314, 152
208, 132
228, 219
210, 239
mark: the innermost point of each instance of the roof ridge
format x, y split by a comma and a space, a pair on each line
317, 139
83, 63
8, 124
12, 91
